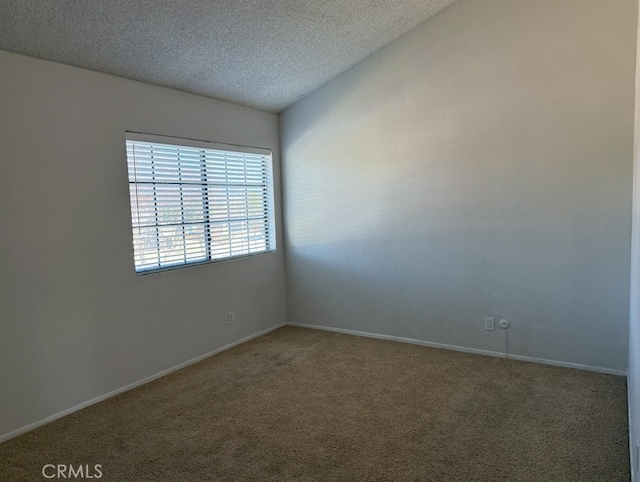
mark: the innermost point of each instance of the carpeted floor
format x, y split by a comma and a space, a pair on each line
299, 404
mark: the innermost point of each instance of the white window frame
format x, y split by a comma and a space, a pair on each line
226, 191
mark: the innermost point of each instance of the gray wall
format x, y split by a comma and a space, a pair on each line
478, 166
76, 322
633, 382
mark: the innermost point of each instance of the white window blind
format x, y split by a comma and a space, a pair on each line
196, 202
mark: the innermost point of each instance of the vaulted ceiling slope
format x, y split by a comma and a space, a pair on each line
261, 53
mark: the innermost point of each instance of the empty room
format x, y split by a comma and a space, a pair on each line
334, 240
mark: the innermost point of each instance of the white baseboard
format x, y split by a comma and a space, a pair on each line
609, 371
113, 393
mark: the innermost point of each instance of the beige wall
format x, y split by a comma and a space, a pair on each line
478, 166
76, 321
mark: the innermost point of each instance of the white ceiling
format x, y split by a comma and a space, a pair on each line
262, 53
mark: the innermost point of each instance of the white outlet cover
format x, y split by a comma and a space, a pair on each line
489, 323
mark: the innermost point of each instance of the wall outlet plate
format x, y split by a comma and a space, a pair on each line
231, 317
489, 323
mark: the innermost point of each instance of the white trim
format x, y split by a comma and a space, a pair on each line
413, 341
113, 393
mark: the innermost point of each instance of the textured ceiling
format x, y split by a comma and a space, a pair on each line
262, 53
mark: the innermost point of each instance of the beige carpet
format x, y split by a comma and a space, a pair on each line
300, 404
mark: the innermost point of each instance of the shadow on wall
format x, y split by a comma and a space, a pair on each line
478, 166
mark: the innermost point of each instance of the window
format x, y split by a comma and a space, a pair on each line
195, 202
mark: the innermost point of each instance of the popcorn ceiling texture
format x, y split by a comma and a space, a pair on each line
261, 53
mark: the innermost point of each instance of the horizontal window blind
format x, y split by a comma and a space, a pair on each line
193, 204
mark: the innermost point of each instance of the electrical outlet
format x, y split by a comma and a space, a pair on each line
231, 317
489, 323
